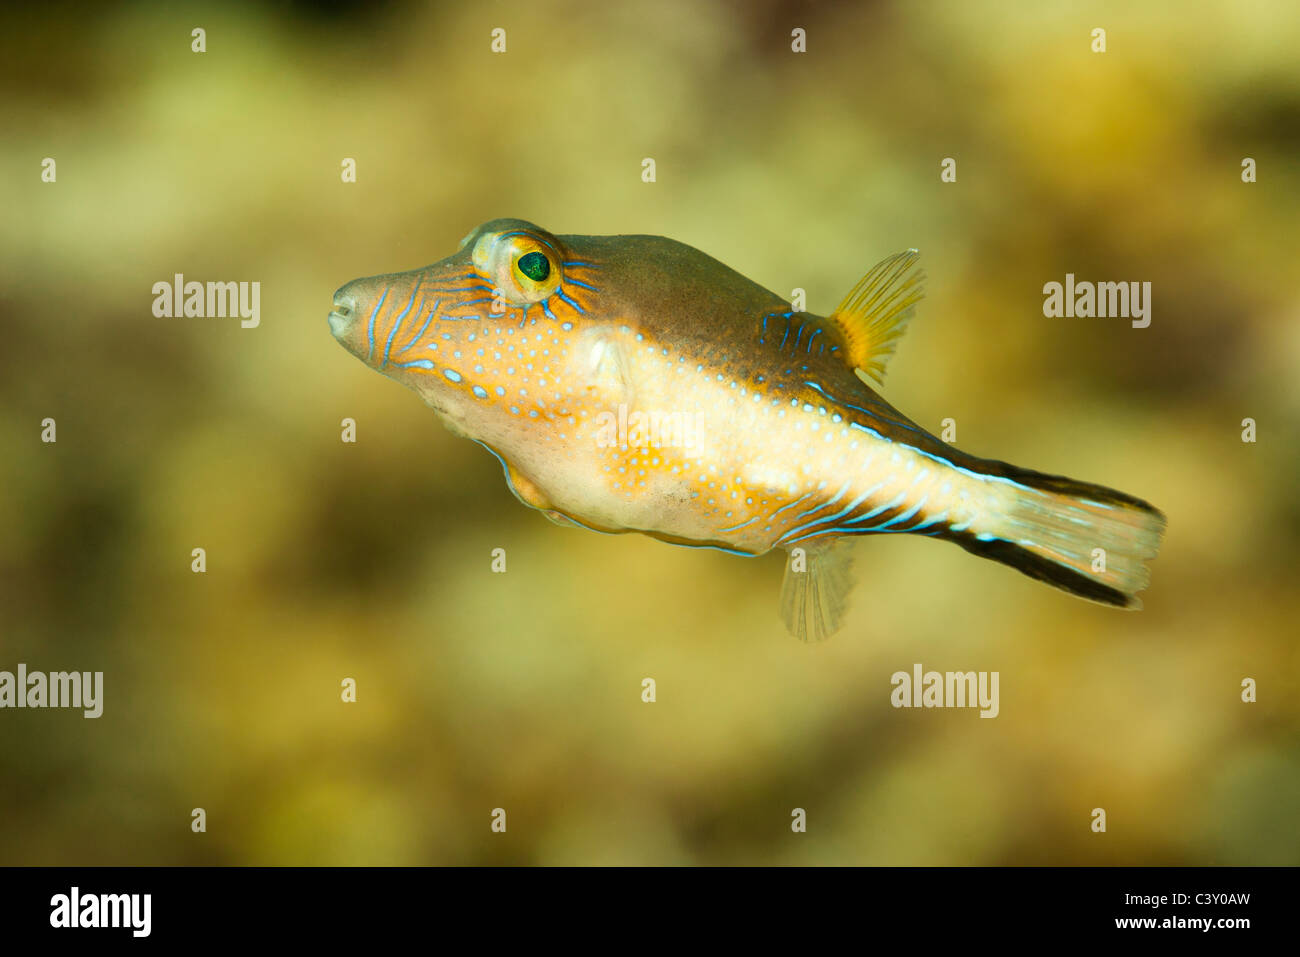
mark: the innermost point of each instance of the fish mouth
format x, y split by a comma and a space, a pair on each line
340, 317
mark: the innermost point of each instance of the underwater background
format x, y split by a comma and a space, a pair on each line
372, 560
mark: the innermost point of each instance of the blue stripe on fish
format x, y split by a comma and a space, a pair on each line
370, 329
904, 516
892, 504
817, 508
930, 521
982, 476
874, 415
397, 324
791, 505
427, 319
838, 515
816, 521
736, 528
560, 292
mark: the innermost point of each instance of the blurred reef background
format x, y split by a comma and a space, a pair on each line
522, 691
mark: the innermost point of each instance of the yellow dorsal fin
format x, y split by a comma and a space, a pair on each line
872, 315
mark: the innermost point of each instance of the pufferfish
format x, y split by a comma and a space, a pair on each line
635, 384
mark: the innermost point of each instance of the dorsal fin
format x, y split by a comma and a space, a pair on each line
872, 315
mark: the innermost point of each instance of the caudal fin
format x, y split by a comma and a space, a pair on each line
1088, 540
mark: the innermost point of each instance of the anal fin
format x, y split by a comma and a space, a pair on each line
815, 591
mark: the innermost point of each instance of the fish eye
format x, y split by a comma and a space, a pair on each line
522, 267
535, 266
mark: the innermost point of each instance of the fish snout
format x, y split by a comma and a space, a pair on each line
343, 315
377, 318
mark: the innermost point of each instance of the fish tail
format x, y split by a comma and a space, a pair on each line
1086, 539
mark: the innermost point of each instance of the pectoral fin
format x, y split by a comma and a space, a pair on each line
607, 372
814, 594
872, 316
